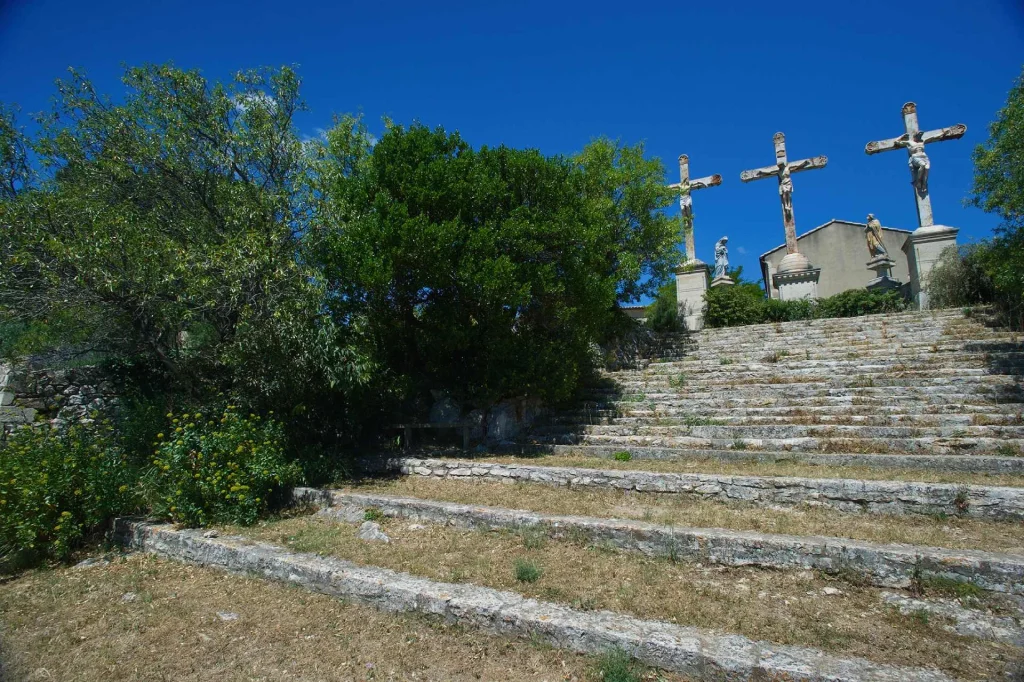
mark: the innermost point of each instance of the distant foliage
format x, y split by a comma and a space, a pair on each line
219, 468
734, 306
57, 487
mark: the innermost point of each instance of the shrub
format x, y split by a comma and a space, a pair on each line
527, 571
622, 456
57, 486
224, 469
746, 304
663, 314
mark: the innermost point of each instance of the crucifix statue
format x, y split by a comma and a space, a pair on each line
914, 141
783, 170
685, 186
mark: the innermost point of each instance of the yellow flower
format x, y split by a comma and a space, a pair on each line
178, 430
122, 489
159, 436
170, 414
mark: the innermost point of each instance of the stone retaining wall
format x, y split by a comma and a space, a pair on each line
897, 566
695, 653
848, 495
59, 395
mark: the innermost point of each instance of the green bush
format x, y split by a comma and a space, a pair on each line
746, 304
58, 486
663, 314
622, 456
224, 468
527, 571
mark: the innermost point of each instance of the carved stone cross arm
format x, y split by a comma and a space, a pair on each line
685, 186
700, 183
940, 135
794, 167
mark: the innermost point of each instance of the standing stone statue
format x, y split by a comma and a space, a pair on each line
721, 258
918, 162
873, 233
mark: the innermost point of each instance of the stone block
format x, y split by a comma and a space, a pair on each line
923, 248
691, 283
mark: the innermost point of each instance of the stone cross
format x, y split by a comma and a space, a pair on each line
685, 186
914, 140
782, 169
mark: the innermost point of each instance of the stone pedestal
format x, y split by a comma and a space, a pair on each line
796, 278
691, 283
797, 285
882, 267
923, 248
722, 281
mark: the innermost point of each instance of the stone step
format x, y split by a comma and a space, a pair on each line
928, 445
739, 417
963, 378
783, 393
894, 498
695, 653
1003, 413
963, 463
1007, 433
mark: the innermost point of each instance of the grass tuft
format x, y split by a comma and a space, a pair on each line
622, 456
617, 666
527, 571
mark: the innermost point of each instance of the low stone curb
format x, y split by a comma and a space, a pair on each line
848, 495
895, 566
696, 653
965, 622
966, 463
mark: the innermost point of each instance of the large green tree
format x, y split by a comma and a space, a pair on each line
167, 225
487, 273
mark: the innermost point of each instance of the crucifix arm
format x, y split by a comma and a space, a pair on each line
759, 173
709, 181
808, 164
943, 134
886, 145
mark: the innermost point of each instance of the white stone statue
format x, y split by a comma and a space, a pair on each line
786, 192
721, 257
686, 206
873, 233
919, 163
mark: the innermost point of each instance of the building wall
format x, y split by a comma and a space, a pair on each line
840, 250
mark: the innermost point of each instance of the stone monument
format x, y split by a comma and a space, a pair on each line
692, 275
796, 277
929, 240
880, 262
721, 278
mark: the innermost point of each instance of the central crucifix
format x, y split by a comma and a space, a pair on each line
794, 263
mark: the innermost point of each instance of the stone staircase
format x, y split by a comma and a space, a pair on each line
922, 383
828, 500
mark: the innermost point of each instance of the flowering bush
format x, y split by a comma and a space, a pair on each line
56, 486
224, 468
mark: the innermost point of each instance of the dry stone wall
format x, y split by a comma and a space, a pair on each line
29, 394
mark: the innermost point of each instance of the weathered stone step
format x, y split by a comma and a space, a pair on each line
1007, 433
928, 445
864, 399
789, 391
897, 498
897, 566
739, 417
693, 652
759, 381
962, 463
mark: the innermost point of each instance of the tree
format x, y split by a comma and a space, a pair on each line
169, 225
999, 164
486, 273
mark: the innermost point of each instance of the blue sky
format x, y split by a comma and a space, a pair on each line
714, 80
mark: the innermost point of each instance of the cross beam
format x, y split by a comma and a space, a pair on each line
685, 186
782, 169
914, 141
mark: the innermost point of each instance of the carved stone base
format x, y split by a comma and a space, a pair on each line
882, 267
796, 285
722, 281
923, 248
691, 283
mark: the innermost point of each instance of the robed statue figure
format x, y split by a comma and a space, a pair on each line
873, 233
721, 257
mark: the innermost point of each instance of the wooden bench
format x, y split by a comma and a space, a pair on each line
408, 428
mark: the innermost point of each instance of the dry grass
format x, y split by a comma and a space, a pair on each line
678, 510
72, 624
781, 468
785, 607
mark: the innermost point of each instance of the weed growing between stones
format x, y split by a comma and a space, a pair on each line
373, 514
527, 571
622, 456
